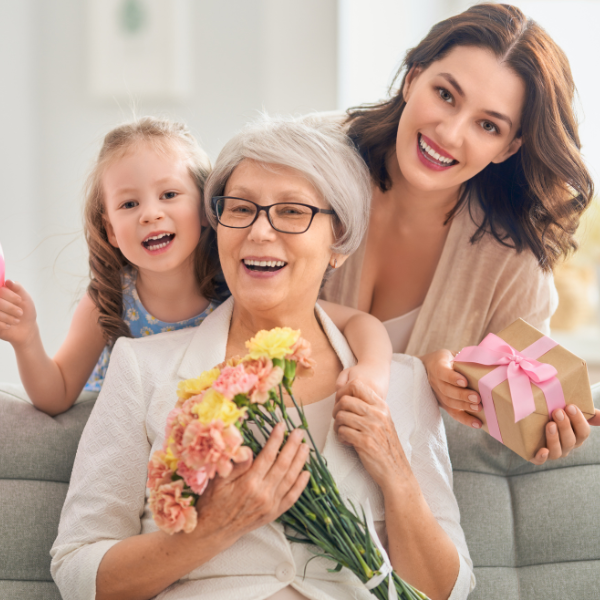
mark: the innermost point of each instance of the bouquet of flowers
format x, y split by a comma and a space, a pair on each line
209, 428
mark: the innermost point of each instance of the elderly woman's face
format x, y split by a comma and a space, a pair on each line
266, 269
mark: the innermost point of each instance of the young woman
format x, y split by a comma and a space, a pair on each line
478, 186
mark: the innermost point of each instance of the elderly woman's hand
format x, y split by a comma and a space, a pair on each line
362, 420
257, 492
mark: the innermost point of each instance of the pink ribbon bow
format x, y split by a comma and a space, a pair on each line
521, 369
1, 267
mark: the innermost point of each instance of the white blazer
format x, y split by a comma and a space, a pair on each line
107, 499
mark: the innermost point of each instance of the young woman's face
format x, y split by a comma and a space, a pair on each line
152, 208
462, 113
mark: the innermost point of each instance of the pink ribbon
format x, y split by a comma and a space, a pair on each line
521, 369
2, 271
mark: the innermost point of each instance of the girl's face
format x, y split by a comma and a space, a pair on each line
152, 207
297, 262
462, 113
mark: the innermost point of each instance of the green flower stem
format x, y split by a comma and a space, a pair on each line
320, 516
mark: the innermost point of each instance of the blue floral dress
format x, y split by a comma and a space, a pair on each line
141, 323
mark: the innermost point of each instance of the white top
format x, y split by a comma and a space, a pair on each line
400, 329
107, 500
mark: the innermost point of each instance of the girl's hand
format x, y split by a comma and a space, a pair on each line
449, 388
362, 420
257, 492
17, 314
376, 375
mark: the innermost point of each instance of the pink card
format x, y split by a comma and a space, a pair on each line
1, 267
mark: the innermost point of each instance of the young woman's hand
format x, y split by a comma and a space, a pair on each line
449, 388
17, 314
256, 492
567, 430
374, 374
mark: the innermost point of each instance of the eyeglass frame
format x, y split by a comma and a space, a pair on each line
314, 209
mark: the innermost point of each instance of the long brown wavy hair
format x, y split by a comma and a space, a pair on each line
535, 198
107, 262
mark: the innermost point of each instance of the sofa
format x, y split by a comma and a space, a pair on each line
533, 532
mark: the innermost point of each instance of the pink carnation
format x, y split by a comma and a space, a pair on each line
159, 472
235, 380
177, 421
212, 447
305, 365
197, 479
172, 511
267, 376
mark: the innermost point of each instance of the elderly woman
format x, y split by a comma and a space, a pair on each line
288, 202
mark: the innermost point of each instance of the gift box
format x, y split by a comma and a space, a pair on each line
522, 377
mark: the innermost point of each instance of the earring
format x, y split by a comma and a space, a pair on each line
334, 265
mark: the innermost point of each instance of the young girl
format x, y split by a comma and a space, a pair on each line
143, 227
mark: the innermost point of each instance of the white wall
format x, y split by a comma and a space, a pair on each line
247, 55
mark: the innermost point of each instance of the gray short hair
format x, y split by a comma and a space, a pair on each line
320, 150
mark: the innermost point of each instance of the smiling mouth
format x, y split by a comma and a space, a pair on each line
264, 266
158, 241
431, 155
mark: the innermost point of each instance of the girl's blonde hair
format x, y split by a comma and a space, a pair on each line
107, 262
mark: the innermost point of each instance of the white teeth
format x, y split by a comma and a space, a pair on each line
264, 263
157, 237
433, 153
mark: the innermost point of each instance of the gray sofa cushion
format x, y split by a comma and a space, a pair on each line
531, 531
37, 453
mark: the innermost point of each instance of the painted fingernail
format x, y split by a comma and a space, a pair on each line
462, 383
476, 424
473, 398
571, 409
552, 428
474, 407
559, 415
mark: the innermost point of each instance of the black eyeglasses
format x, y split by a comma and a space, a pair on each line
286, 217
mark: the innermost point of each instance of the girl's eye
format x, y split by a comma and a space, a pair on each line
169, 195
129, 204
445, 95
489, 127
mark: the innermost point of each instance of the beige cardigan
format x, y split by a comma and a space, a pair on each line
476, 289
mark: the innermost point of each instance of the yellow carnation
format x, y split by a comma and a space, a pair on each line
215, 406
192, 387
276, 343
170, 458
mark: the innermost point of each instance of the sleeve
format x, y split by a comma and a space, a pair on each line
431, 465
106, 495
524, 291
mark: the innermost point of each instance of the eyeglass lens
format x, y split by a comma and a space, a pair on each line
285, 217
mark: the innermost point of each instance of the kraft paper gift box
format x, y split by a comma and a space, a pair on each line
522, 376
